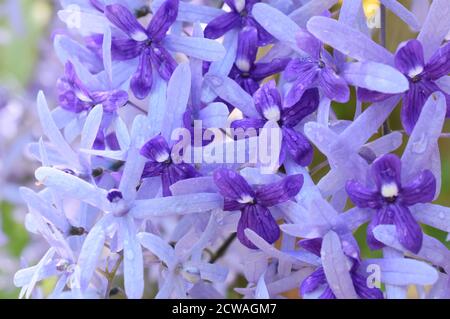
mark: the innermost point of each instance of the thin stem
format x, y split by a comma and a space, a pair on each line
318, 167
386, 128
136, 107
222, 249
110, 275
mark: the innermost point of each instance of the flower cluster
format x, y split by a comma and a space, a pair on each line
181, 154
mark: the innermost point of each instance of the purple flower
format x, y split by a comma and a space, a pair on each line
160, 163
422, 78
392, 200
144, 43
269, 104
74, 96
318, 280
239, 17
254, 202
317, 70
245, 71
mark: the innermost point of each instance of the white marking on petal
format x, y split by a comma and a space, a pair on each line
272, 113
239, 4
415, 71
245, 199
243, 65
162, 157
389, 190
139, 36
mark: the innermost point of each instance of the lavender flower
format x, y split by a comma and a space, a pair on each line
254, 203
239, 17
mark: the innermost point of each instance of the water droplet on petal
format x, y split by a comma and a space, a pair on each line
420, 146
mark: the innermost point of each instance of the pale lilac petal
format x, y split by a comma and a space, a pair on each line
176, 205
231, 92
261, 291
204, 49
435, 27
52, 132
375, 76
403, 13
422, 144
310, 9
91, 250
178, 90
336, 267
159, 248
284, 30
72, 186
401, 271
91, 127
348, 40
133, 264
214, 115
434, 215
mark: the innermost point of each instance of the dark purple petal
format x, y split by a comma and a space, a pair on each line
279, 192
308, 104
386, 170
112, 141
112, 100
125, 49
260, 220
247, 48
439, 64
420, 190
408, 230
97, 4
163, 62
232, 205
248, 123
152, 169
297, 67
222, 24
268, 101
298, 146
264, 70
313, 281
333, 86
363, 197
248, 84
366, 95
142, 79
413, 102
383, 216
308, 43
312, 245
233, 186
174, 173
122, 18
72, 94
304, 74
362, 290
409, 58
156, 150
163, 19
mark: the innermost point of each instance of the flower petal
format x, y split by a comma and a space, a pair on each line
141, 82
122, 18
232, 185
348, 40
200, 48
439, 64
133, 264
420, 190
260, 220
298, 146
386, 170
374, 76
247, 48
409, 58
222, 24
279, 192
408, 230
363, 197
336, 267
163, 18
333, 86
